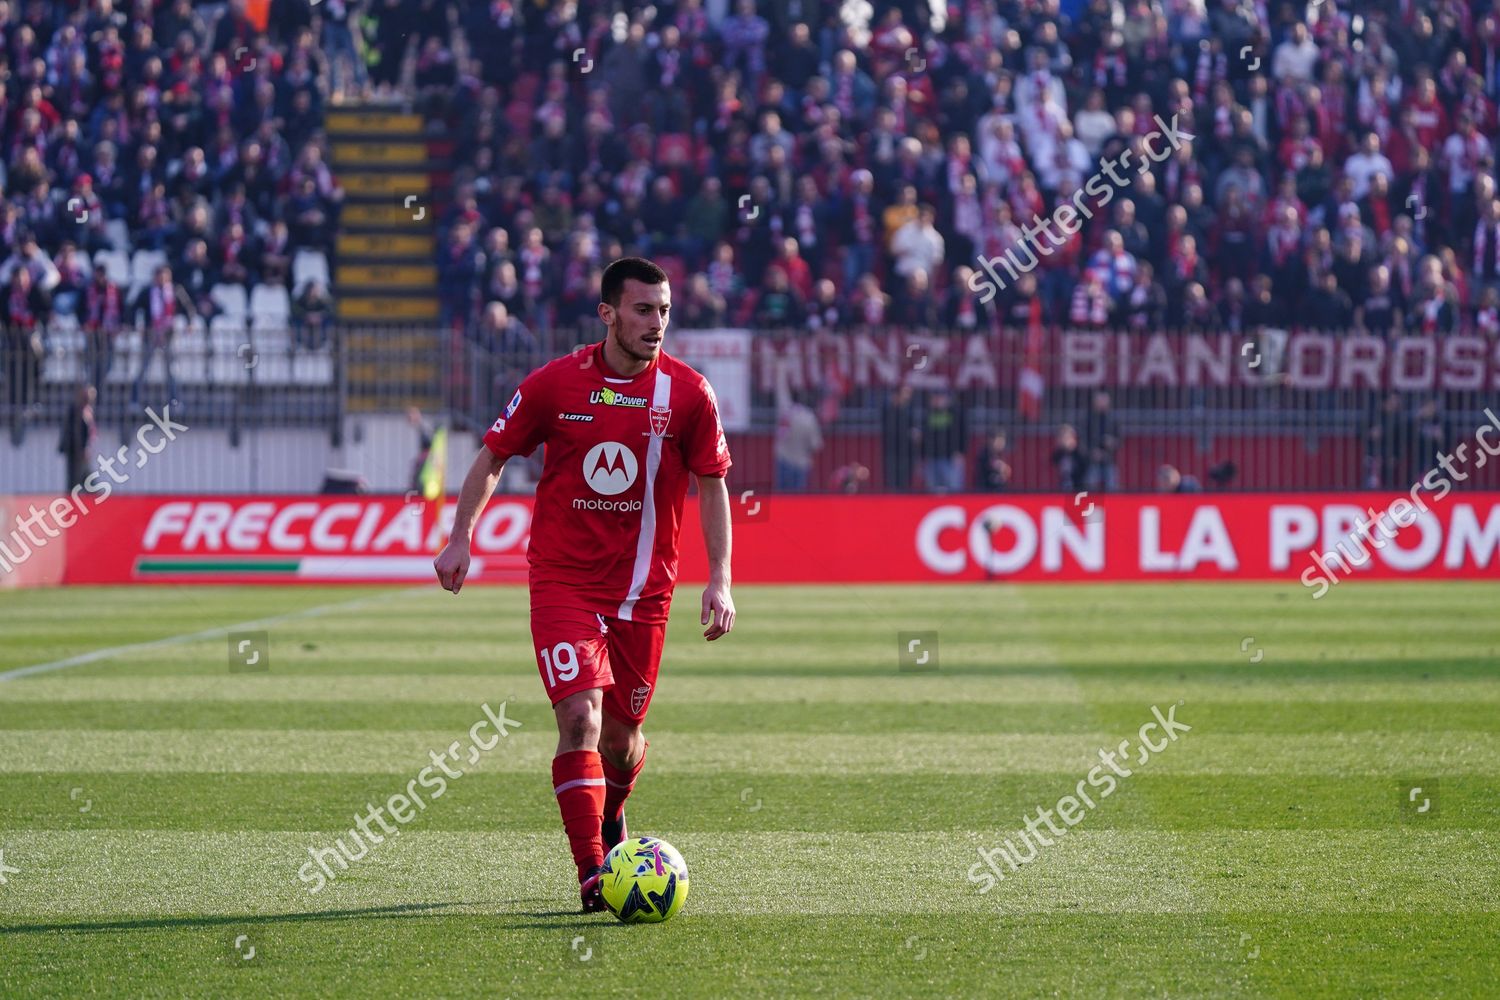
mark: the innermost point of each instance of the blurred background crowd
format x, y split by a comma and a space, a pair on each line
822, 165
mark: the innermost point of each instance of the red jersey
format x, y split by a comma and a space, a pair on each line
608, 507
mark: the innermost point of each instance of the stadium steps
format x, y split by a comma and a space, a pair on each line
384, 276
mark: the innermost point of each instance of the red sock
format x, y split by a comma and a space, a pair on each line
618, 784
578, 783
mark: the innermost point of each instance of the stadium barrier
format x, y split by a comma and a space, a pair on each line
1010, 410
1428, 532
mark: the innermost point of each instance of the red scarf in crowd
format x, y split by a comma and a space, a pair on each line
103, 307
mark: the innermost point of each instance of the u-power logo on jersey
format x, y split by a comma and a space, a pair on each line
610, 468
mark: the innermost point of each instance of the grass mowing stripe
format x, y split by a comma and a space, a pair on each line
717, 717
1028, 955
524, 688
191, 637
747, 801
379, 752
155, 873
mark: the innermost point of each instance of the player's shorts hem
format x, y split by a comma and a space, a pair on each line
575, 687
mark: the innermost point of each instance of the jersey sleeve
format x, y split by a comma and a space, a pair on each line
706, 450
522, 427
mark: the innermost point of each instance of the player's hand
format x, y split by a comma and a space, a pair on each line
718, 607
452, 564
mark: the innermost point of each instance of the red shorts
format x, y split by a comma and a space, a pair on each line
577, 650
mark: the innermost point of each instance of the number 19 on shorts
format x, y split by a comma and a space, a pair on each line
565, 656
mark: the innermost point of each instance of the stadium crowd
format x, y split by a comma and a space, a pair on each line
149, 152
857, 165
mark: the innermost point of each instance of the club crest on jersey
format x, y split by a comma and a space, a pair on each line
609, 397
638, 698
660, 417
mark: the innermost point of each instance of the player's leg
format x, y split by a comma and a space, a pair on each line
622, 752
574, 664
635, 655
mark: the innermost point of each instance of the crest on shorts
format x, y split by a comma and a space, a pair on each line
660, 417
638, 698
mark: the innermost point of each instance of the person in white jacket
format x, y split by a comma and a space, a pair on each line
918, 245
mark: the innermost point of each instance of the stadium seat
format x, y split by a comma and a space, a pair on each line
232, 302
118, 235
63, 334
312, 368
117, 266
64, 361
143, 264
273, 339
273, 364
270, 308
309, 266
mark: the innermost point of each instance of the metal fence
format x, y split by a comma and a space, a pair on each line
847, 411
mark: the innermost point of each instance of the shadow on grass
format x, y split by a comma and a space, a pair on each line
404, 911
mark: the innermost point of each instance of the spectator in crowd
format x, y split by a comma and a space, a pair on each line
917, 245
778, 304
29, 256
71, 279
852, 477
1430, 439
900, 434
991, 466
1101, 441
1068, 462
197, 276
312, 312
77, 442
799, 438
1170, 480
460, 268
25, 313
826, 310
103, 317
944, 441
156, 309
1387, 440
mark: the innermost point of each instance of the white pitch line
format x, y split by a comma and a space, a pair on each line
177, 640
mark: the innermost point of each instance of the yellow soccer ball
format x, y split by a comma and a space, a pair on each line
645, 880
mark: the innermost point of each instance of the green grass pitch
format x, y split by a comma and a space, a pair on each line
155, 807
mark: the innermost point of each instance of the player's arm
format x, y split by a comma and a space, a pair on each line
713, 511
452, 564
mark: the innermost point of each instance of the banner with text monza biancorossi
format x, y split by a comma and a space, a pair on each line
824, 539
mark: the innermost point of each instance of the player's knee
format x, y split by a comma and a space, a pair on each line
578, 725
620, 744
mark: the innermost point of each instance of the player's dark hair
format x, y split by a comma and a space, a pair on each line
624, 269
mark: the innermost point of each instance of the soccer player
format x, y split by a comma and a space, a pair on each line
624, 424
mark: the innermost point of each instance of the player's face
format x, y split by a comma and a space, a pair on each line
639, 323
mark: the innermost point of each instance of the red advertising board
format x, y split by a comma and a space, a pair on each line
823, 539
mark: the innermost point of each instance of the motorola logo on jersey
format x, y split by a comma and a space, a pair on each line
610, 468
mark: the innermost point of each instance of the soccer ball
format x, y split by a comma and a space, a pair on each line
645, 880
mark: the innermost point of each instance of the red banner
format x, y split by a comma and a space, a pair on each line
1103, 360
824, 539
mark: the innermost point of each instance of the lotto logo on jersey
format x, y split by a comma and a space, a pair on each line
609, 397
609, 468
